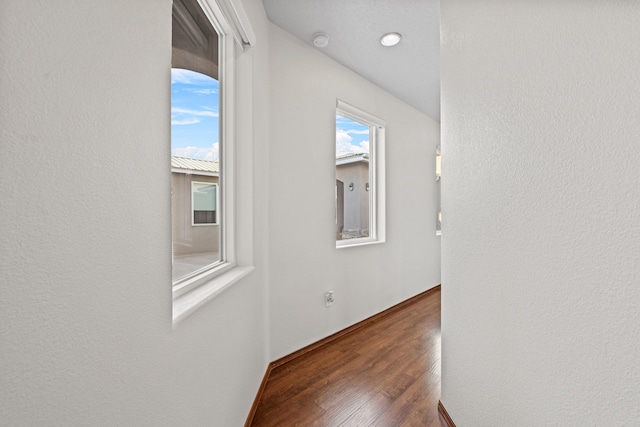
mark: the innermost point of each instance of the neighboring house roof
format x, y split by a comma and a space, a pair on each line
343, 159
200, 167
205, 167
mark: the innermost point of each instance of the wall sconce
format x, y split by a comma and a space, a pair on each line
366, 186
438, 163
351, 187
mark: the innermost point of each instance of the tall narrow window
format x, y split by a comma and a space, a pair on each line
208, 36
359, 183
195, 143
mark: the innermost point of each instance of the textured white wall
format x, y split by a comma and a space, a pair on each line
304, 263
541, 230
85, 298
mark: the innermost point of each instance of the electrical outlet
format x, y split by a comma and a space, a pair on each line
328, 298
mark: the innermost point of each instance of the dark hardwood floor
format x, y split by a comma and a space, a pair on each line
385, 374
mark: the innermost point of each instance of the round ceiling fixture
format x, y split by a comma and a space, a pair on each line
320, 40
390, 39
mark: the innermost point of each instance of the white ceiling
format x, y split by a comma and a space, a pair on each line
410, 70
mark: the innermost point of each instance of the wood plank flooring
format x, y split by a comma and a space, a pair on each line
384, 374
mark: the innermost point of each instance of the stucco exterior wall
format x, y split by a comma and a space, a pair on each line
356, 201
190, 239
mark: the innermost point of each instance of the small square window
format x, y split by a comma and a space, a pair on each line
204, 199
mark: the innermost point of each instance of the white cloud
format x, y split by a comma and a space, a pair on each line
207, 113
191, 152
214, 154
344, 144
184, 122
205, 91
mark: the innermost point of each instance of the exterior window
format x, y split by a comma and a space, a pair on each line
204, 197
197, 220
359, 186
207, 37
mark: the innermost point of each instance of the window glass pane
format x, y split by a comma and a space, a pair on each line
204, 202
204, 197
353, 179
195, 142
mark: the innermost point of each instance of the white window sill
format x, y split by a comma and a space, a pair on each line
357, 242
186, 303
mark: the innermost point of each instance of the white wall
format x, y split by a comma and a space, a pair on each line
541, 194
304, 263
85, 298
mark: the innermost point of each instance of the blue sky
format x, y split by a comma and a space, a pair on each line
194, 115
351, 136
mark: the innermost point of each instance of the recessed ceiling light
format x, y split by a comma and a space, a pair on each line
320, 40
390, 39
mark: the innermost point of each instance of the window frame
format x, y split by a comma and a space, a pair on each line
192, 291
193, 210
377, 181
